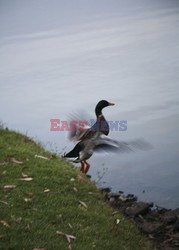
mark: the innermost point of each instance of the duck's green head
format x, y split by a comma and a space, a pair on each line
102, 104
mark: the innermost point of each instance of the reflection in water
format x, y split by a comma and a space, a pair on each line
126, 54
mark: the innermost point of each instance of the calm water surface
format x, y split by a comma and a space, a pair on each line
76, 56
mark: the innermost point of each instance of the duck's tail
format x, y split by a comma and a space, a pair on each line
74, 152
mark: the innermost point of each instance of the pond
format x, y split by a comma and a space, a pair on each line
60, 58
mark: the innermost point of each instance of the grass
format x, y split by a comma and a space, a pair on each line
71, 204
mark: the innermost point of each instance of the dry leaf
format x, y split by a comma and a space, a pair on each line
3, 163
40, 248
70, 237
46, 190
24, 175
117, 221
60, 233
4, 173
70, 225
26, 179
27, 199
2, 236
4, 202
41, 157
29, 194
9, 186
4, 223
83, 204
75, 189
12, 159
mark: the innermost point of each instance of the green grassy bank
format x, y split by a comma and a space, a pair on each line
48, 203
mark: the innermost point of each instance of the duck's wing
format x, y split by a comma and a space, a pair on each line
106, 144
79, 125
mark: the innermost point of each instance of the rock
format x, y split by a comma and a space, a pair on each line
176, 226
112, 200
169, 217
105, 190
122, 198
138, 208
120, 192
150, 228
116, 195
131, 197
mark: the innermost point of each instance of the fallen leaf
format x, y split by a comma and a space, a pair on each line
25, 179
4, 223
117, 221
70, 225
9, 186
83, 204
40, 248
2, 236
4, 173
42, 157
75, 189
24, 175
60, 233
4, 202
46, 190
70, 237
12, 159
29, 194
27, 199
3, 163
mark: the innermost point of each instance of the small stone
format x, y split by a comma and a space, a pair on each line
138, 208
149, 228
177, 225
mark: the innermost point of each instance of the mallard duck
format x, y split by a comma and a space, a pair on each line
88, 139
95, 139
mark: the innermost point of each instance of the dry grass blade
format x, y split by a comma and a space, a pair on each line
9, 186
4, 223
83, 204
42, 157
26, 179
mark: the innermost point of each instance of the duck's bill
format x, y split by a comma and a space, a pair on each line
111, 104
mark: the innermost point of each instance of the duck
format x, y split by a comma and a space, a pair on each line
96, 139
89, 138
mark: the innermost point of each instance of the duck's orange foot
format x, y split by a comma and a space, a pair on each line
87, 167
82, 169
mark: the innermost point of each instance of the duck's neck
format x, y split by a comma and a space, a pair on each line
98, 111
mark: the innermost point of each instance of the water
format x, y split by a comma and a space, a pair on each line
58, 58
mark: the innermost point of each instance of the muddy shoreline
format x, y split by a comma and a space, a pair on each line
159, 224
